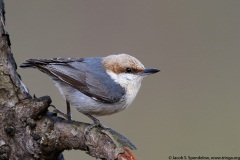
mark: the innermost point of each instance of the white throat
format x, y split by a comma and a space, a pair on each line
131, 83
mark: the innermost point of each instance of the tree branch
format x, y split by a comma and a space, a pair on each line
29, 131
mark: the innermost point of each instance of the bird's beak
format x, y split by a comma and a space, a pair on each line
149, 71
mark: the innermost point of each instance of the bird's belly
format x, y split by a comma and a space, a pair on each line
86, 104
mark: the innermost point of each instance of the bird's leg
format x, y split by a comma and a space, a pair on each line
69, 114
58, 111
96, 122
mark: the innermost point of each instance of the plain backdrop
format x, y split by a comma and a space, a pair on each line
190, 108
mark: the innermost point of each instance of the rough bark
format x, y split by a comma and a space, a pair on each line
29, 131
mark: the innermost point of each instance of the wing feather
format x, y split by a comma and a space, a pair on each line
81, 74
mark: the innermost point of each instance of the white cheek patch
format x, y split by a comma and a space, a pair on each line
131, 77
121, 78
131, 82
112, 75
126, 80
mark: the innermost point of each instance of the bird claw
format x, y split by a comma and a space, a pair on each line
96, 123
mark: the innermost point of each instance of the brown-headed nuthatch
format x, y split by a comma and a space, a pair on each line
96, 86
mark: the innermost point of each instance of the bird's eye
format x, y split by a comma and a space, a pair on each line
128, 70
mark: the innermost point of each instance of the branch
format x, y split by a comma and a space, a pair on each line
61, 135
29, 131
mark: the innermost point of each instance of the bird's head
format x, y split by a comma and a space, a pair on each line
127, 71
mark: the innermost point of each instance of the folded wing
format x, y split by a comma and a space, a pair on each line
85, 74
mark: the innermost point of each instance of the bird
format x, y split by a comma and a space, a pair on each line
96, 86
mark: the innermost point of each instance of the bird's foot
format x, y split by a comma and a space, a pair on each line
96, 122
67, 116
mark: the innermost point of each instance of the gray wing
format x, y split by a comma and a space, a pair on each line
87, 75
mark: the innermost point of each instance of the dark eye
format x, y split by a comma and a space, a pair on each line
128, 70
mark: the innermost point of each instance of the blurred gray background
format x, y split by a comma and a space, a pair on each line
190, 108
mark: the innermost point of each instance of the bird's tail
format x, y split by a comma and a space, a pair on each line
33, 63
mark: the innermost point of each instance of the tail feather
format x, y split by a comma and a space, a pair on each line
33, 63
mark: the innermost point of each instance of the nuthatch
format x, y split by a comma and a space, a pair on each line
96, 86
